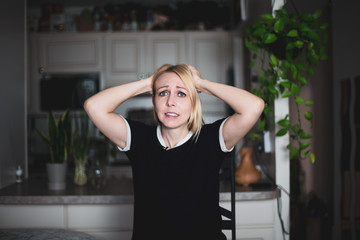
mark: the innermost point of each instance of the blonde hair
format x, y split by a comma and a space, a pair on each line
195, 121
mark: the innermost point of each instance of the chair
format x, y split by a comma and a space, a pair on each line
227, 174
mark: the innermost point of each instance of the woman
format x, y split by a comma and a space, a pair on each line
176, 164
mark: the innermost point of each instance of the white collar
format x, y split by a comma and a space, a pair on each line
162, 142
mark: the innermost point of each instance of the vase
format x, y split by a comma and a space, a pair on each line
80, 177
56, 175
247, 173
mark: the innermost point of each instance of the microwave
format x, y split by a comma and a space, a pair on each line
59, 92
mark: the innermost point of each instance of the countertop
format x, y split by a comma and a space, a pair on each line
114, 191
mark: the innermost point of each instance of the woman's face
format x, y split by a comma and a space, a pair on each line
171, 101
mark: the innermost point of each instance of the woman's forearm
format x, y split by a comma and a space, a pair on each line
109, 99
247, 108
241, 101
102, 105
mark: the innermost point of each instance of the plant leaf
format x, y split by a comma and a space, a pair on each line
317, 13
293, 33
287, 94
299, 100
312, 157
272, 89
281, 132
304, 135
279, 25
274, 60
267, 16
285, 84
261, 125
309, 103
304, 145
254, 136
299, 44
294, 88
267, 109
302, 80
269, 38
308, 115
285, 123
294, 153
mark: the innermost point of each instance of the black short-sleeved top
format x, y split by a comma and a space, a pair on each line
176, 190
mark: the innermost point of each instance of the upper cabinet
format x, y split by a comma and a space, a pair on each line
134, 56
125, 57
211, 54
122, 57
70, 52
165, 47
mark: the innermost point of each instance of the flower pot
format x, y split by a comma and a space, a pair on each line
246, 173
278, 48
56, 175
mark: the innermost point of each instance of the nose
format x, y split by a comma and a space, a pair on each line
171, 100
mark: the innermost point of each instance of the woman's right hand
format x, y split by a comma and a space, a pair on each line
197, 78
149, 81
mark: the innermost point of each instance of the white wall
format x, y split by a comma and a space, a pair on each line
12, 90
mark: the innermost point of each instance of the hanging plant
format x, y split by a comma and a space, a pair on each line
288, 46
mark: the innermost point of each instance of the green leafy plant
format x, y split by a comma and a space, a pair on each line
59, 137
288, 46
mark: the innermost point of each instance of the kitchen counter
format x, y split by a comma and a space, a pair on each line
107, 212
114, 191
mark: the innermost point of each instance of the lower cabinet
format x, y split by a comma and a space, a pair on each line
254, 219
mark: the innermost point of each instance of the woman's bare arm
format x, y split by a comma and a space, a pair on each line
101, 106
247, 107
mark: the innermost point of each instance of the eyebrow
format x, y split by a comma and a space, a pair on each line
166, 86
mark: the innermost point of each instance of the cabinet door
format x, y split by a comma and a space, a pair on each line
70, 52
125, 57
163, 48
210, 53
255, 220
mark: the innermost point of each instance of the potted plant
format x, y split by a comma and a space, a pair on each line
59, 140
288, 46
81, 148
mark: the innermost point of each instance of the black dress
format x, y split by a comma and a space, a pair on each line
176, 191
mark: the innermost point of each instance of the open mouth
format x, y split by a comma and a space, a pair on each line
172, 114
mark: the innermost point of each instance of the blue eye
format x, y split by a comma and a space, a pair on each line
181, 94
163, 93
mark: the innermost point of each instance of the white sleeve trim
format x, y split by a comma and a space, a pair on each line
128, 140
221, 138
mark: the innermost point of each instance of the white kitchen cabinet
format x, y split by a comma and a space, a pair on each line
132, 56
211, 54
108, 222
69, 52
255, 220
124, 57
61, 53
165, 47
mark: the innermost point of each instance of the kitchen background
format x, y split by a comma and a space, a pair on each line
323, 178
